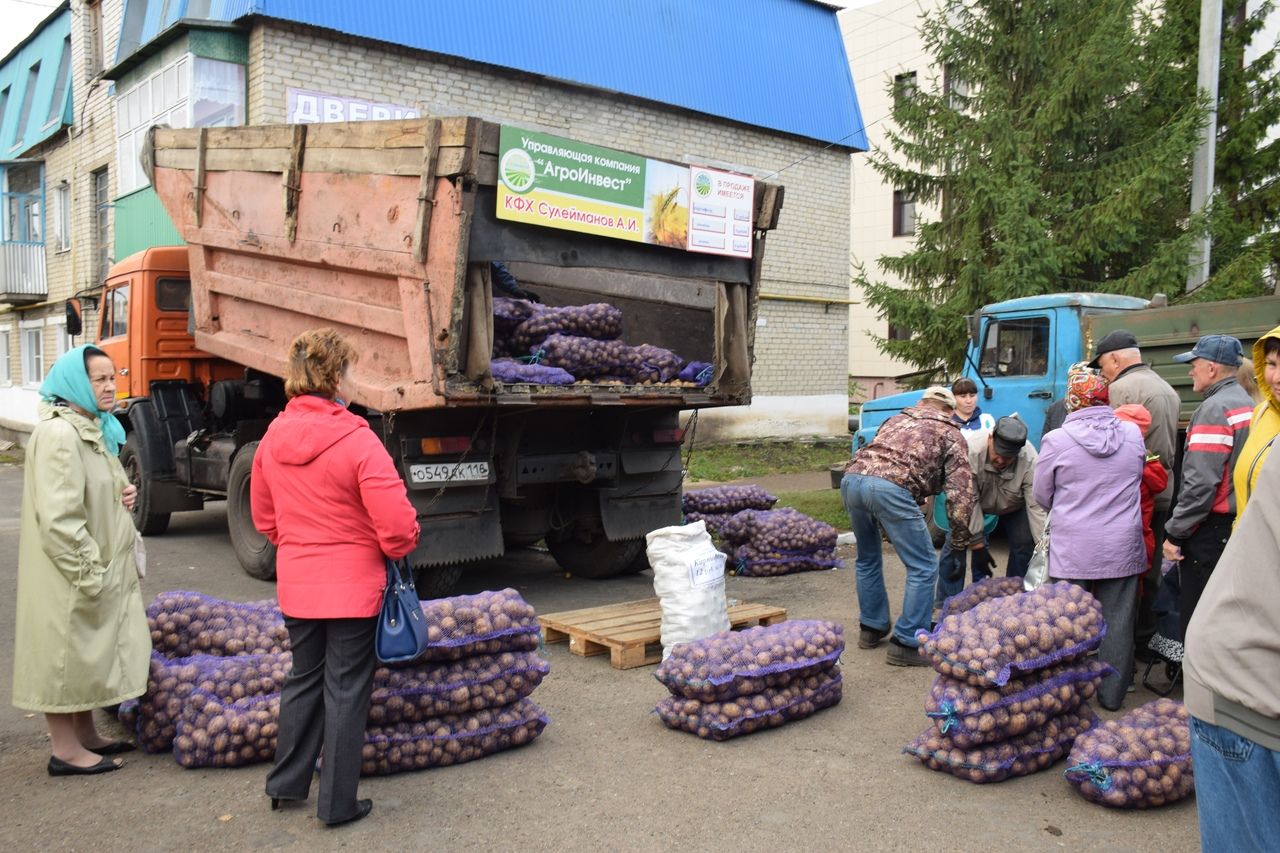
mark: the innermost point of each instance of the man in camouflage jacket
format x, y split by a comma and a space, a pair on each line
914, 456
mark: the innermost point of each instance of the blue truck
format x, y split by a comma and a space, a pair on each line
1019, 350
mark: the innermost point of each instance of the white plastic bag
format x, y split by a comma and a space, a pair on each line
688, 576
140, 554
1038, 568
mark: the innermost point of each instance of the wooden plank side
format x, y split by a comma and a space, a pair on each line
387, 321
620, 607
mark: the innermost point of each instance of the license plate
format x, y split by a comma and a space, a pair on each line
450, 472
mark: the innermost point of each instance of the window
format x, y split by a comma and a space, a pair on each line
899, 333
32, 346
62, 210
173, 294
93, 38
1017, 347
101, 194
6, 377
904, 88
4, 102
33, 74
115, 313
956, 89
57, 102
904, 213
61, 340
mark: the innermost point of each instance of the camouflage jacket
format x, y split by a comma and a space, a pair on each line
924, 452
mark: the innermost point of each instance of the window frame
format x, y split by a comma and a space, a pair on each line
100, 194
62, 215
31, 357
905, 85
904, 201
991, 342
6, 367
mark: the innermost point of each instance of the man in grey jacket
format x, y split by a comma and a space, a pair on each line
1197, 531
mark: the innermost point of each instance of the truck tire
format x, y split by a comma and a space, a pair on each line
436, 581
256, 554
145, 519
598, 558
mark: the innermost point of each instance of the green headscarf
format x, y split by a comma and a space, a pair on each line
68, 380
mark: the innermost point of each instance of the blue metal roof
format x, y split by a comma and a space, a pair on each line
1107, 301
35, 86
778, 64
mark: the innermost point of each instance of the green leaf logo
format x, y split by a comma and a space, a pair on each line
516, 170
702, 184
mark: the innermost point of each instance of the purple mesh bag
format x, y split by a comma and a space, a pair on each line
171, 682
796, 699
784, 529
482, 624
715, 521
508, 313
187, 623
1138, 761
754, 561
454, 739
735, 663
216, 733
972, 715
993, 641
511, 371
1028, 753
697, 372
412, 694
726, 499
587, 358
598, 320
980, 591
127, 714
656, 364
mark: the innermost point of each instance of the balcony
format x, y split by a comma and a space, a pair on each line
22, 277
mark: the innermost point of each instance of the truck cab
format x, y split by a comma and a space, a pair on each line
1018, 354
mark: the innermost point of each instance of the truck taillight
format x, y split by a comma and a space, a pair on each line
668, 436
440, 446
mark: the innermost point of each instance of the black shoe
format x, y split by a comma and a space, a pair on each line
869, 638
278, 803
58, 767
363, 807
114, 748
901, 655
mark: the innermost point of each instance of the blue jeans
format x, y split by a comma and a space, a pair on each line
1021, 546
869, 500
1237, 789
951, 566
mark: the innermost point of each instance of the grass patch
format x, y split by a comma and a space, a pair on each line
825, 505
722, 462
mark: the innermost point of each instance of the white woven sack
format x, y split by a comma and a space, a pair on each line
688, 576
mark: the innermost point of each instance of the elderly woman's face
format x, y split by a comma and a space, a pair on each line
102, 378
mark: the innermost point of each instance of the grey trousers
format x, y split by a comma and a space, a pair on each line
1119, 600
324, 703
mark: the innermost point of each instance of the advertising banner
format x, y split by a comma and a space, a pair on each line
303, 106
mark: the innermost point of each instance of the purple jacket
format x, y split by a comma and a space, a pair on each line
1089, 477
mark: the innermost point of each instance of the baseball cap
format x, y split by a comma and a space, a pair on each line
1223, 349
1009, 436
1112, 341
941, 394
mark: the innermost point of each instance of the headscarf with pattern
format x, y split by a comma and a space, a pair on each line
1085, 387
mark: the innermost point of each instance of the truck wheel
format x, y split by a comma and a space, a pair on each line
256, 554
598, 558
148, 522
435, 581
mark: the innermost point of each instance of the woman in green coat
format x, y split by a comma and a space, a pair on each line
82, 638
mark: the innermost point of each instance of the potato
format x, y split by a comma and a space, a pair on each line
486, 623
738, 663
450, 739
187, 623
800, 697
215, 733
980, 591
1018, 756
425, 691
597, 321
1137, 761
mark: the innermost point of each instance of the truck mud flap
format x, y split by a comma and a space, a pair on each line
460, 525
647, 496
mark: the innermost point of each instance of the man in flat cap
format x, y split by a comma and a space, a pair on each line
1197, 531
1131, 381
1004, 466
915, 455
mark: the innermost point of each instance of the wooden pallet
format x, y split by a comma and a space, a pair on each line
629, 632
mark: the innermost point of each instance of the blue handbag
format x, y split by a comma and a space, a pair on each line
402, 627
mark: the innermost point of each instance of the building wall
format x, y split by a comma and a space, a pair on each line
801, 348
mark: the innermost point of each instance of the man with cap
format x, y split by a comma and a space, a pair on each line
1197, 530
1004, 466
1131, 381
915, 455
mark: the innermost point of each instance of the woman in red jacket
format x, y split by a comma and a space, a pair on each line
326, 493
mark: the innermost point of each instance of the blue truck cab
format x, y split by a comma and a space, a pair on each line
1018, 354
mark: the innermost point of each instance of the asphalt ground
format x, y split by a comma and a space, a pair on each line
605, 775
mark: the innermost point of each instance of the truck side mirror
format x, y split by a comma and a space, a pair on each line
75, 324
972, 320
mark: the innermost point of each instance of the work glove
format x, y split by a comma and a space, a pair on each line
982, 557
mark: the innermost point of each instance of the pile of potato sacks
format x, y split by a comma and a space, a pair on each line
465, 698
1014, 679
761, 541
738, 682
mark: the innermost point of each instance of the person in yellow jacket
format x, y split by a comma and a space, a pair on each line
1266, 418
82, 640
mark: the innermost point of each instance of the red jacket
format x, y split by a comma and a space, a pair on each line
325, 491
1154, 479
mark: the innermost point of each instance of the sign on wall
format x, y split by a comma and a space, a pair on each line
561, 183
303, 106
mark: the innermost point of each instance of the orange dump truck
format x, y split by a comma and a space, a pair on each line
388, 231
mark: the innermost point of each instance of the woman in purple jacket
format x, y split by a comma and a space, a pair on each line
1089, 475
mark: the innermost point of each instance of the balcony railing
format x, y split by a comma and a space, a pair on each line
22, 276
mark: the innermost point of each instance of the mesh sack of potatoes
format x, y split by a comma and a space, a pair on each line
1140, 760
188, 623
727, 499
785, 529
994, 762
453, 739
214, 732
980, 591
736, 663
512, 372
171, 682
508, 314
972, 715
656, 364
1001, 637
761, 561
412, 694
599, 321
485, 623
715, 521
588, 358
794, 699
